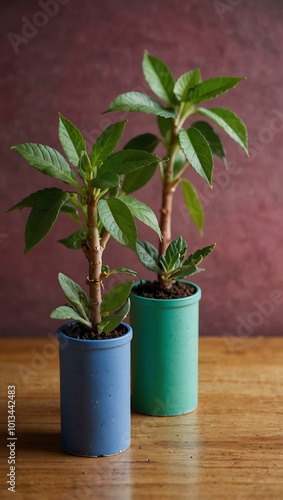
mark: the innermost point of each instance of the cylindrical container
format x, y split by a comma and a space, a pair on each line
165, 354
95, 394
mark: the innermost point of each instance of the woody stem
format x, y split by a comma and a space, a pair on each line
94, 256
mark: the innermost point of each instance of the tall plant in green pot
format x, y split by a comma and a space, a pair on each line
95, 343
164, 313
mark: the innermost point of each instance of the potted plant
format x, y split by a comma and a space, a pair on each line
165, 344
95, 344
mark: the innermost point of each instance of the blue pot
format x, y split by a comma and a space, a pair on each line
95, 395
165, 354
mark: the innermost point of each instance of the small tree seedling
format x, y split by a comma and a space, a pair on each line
94, 201
185, 147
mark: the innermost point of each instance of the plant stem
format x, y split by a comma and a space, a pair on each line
168, 190
166, 215
79, 205
94, 256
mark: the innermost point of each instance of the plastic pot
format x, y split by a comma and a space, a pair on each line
165, 354
95, 394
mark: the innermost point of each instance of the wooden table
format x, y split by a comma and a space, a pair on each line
231, 447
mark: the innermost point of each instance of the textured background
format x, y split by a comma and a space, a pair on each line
83, 55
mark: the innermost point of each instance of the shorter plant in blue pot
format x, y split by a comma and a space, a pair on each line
95, 343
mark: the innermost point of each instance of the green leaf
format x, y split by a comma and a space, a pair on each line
35, 198
142, 212
144, 142
184, 272
197, 257
193, 204
75, 295
230, 123
71, 140
185, 83
48, 161
84, 166
163, 263
106, 180
117, 219
107, 142
149, 256
128, 160
136, 101
70, 209
174, 263
136, 180
66, 312
165, 127
109, 323
42, 218
120, 270
74, 241
46, 205
177, 247
105, 269
212, 88
124, 270
197, 152
159, 78
212, 138
179, 163
116, 297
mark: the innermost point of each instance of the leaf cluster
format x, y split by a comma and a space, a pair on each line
114, 307
94, 200
173, 265
194, 146
98, 186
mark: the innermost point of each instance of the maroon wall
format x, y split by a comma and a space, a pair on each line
82, 57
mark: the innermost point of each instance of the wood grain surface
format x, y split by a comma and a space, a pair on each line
231, 447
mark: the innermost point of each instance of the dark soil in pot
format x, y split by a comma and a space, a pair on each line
78, 331
153, 290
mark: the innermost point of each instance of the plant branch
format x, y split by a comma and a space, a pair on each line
80, 206
186, 112
93, 252
104, 238
168, 189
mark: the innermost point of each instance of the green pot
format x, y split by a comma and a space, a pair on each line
165, 354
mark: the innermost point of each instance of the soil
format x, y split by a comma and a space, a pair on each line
78, 331
153, 290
